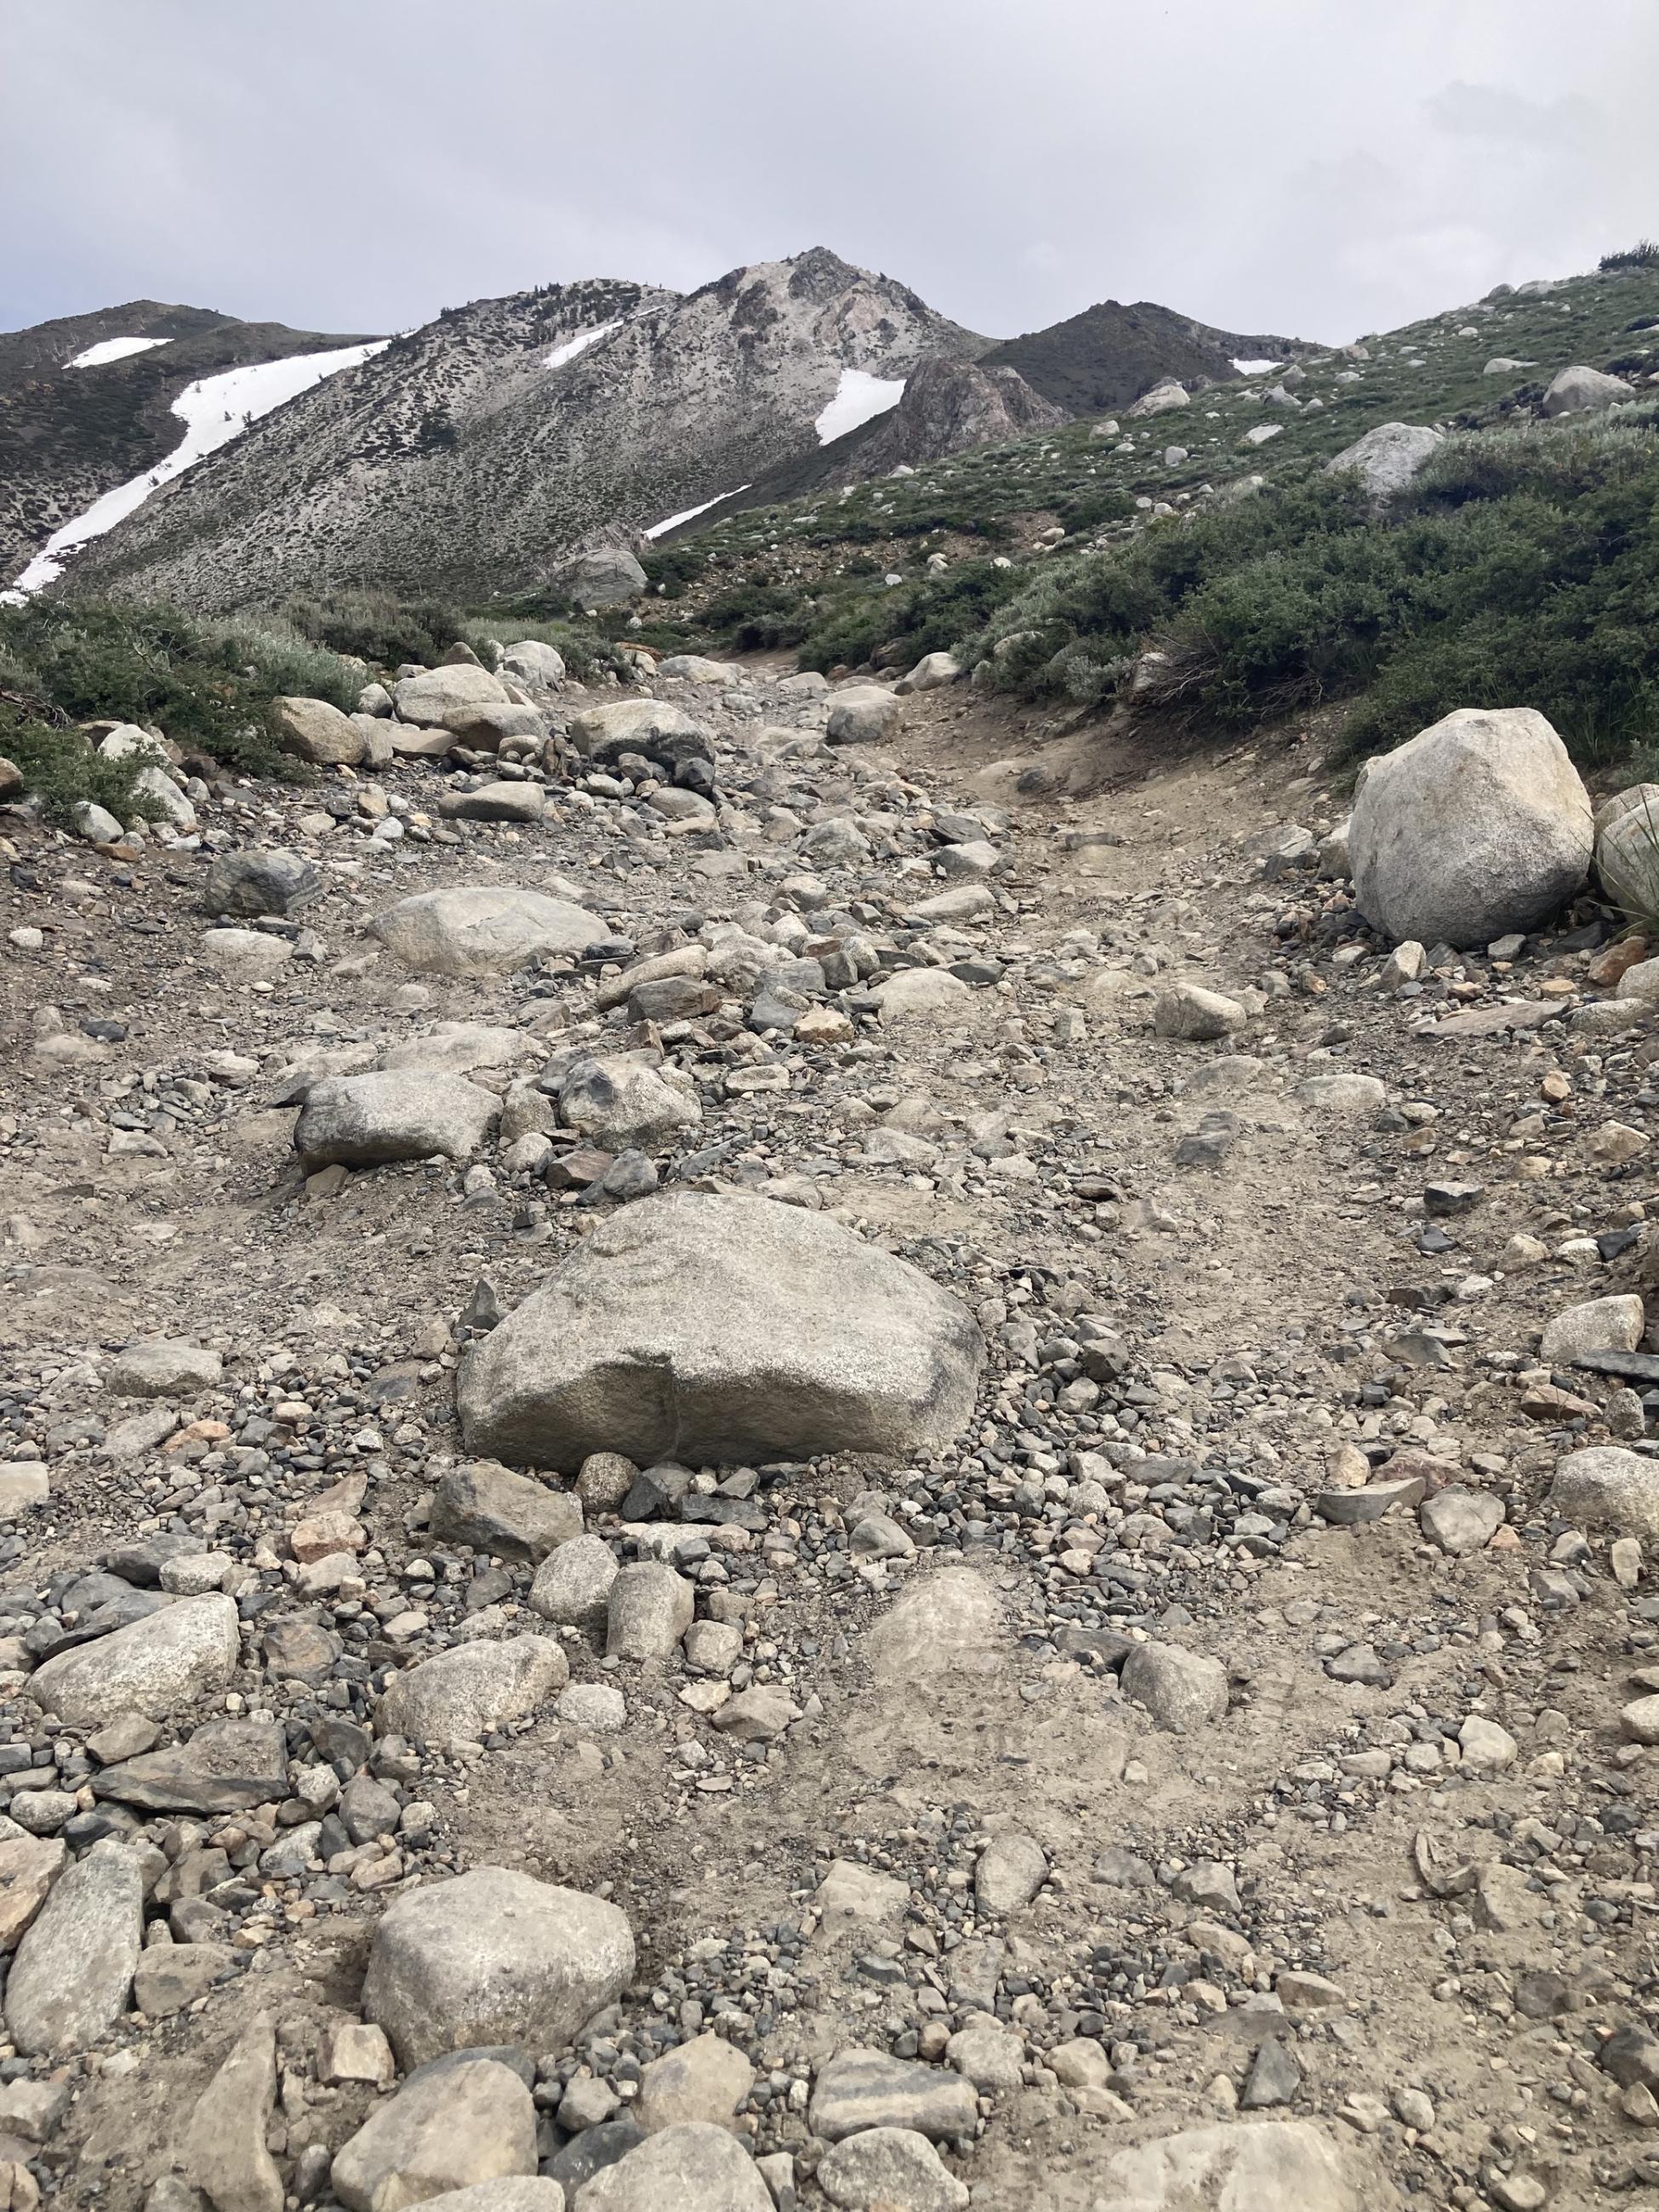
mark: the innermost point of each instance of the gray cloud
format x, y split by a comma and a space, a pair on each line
1302, 166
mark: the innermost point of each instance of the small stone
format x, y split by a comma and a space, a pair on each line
1010, 1870
649, 1609
1486, 1748
1274, 2077
858, 2090
706, 2080
1182, 1690
1459, 1521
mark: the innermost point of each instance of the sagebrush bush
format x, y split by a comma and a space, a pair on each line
377, 626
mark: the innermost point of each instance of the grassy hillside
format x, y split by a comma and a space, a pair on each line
1524, 565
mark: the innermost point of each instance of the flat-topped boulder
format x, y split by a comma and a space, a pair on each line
722, 1327
394, 1114
430, 697
652, 726
484, 929
156, 1665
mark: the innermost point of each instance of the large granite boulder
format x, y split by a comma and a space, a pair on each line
484, 929
722, 1327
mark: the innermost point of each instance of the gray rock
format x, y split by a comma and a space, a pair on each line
890, 2170
227, 1766
621, 1106
159, 1665
224, 2148
431, 697
1475, 828
538, 667
494, 1957
1182, 1690
695, 2168
484, 929
506, 801
70, 1978
393, 1113
315, 732
1580, 391
725, 1328
513, 2193
161, 1367
469, 1691
29, 1867
1195, 1015
1613, 1324
649, 1608
1604, 1486
1459, 1520
923, 995
263, 880
244, 955
603, 576
449, 2127
171, 1976
1388, 457
948, 1623
1011, 1869
1270, 2168
704, 2080
1627, 858
492, 1509
573, 1584
988, 2055
595, 1708
651, 727
858, 2090
863, 714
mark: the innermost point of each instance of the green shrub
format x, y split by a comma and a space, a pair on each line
927, 617
377, 626
61, 770
1644, 254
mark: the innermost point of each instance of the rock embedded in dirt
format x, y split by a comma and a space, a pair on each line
72, 1970
224, 2146
485, 929
157, 1665
693, 2168
863, 714
493, 1957
1611, 1324
858, 2090
649, 1608
705, 2079
890, 2167
469, 1691
1194, 1015
1182, 1690
1476, 827
923, 995
621, 1106
227, 1766
572, 1586
493, 1510
727, 1328
1606, 1486
395, 1114
455, 2123
950, 1622
244, 955
1267, 2167
159, 1367
260, 879
1458, 1522
1010, 1871
512, 2193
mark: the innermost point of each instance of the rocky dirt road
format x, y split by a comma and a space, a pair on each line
1006, 1631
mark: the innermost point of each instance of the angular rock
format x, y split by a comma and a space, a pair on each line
430, 697
727, 1328
473, 1689
890, 2170
317, 733
394, 1114
262, 880
706, 2080
695, 2168
492, 1509
484, 929
1270, 2167
158, 1665
1459, 1520
858, 2090
29, 1867
1473, 828
1388, 457
863, 714
854, 1894
1605, 1486
1182, 1690
649, 1608
73, 1968
1611, 1324
924, 994
651, 727
451, 2125
1580, 391
160, 1367
1197, 1016
171, 1976
622, 1106
494, 1957
227, 1766
224, 2146
1010, 1870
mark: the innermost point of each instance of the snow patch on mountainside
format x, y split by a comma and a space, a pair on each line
691, 513
213, 411
859, 397
560, 354
114, 350
1254, 367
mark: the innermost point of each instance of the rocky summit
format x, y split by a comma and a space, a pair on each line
782, 1436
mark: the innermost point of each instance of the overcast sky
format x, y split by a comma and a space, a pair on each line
1311, 167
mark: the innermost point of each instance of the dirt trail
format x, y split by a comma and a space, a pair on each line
1212, 1295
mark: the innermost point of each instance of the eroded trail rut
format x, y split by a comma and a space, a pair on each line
1213, 1770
